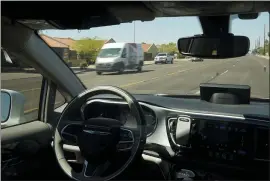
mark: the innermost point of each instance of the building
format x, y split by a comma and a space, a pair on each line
150, 51
64, 47
109, 41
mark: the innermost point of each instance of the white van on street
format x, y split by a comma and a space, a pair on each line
118, 57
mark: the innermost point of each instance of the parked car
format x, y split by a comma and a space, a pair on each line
164, 58
196, 59
117, 57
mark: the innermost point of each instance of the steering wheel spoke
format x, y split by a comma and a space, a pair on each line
94, 169
126, 140
70, 132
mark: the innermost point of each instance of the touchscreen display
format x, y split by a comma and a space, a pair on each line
214, 133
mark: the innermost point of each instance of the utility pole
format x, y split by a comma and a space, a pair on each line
269, 38
269, 41
264, 40
134, 31
256, 45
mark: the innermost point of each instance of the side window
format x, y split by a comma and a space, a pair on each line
59, 100
20, 77
124, 53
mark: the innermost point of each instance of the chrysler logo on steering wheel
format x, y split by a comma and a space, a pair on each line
96, 132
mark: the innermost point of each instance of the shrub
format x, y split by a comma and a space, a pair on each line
88, 61
83, 65
69, 63
76, 62
92, 62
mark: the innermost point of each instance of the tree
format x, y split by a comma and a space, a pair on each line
88, 48
170, 48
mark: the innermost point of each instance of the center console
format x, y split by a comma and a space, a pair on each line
228, 142
206, 148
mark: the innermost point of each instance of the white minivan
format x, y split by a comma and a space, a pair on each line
117, 57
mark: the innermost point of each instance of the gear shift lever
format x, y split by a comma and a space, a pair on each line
185, 175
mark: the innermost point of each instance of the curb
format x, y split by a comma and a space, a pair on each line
261, 56
84, 70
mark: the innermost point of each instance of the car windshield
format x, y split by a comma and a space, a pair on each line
140, 72
109, 52
161, 54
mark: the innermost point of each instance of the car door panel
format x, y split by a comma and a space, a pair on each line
36, 130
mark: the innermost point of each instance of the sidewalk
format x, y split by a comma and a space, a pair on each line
78, 69
262, 56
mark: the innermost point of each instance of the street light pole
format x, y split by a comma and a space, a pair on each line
264, 40
269, 41
134, 31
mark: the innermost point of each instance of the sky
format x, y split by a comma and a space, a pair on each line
165, 30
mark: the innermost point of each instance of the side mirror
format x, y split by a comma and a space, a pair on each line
5, 106
12, 108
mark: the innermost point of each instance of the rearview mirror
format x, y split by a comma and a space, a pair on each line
248, 16
5, 106
12, 108
226, 46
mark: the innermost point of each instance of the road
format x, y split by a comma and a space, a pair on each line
182, 77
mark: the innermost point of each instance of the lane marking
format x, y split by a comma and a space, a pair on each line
34, 109
180, 71
133, 83
100, 78
27, 90
224, 72
169, 74
154, 78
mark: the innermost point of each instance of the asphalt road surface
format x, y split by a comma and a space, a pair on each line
182, 77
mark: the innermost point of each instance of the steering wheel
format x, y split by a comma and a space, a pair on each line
99, 139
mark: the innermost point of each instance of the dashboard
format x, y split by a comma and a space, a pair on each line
118, 110
222, 136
